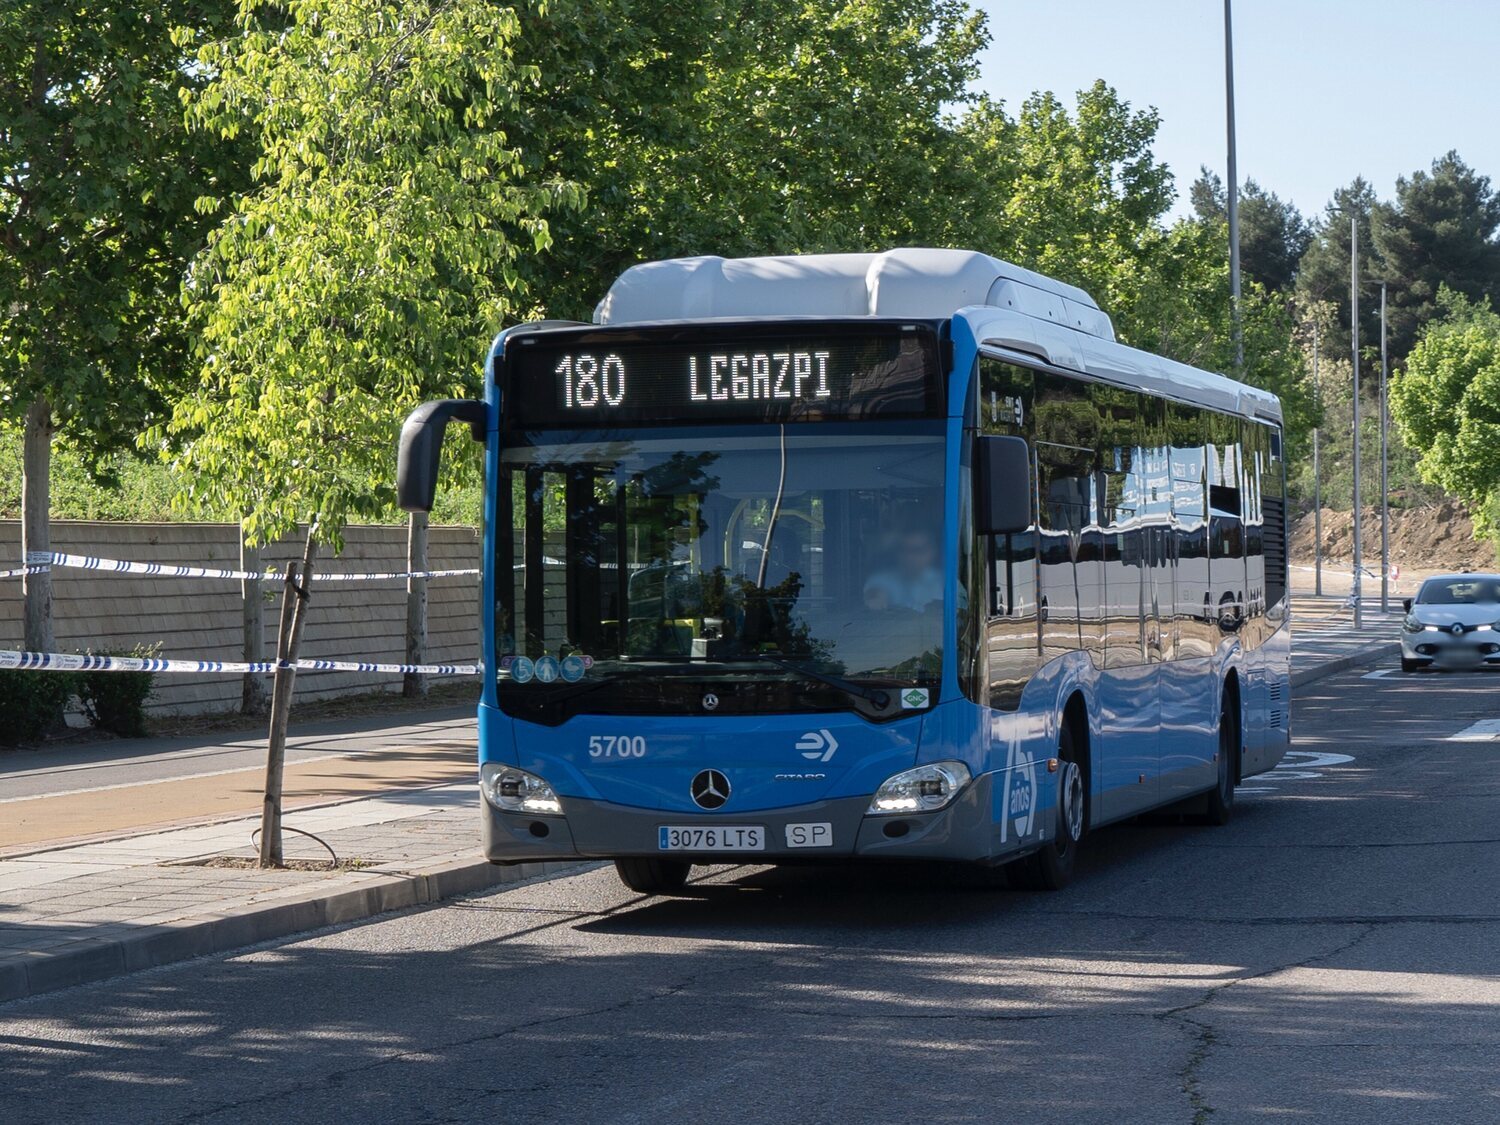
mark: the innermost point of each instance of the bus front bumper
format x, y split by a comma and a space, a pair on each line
821, 831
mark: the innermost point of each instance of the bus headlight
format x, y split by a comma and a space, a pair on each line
924, 789
515, 790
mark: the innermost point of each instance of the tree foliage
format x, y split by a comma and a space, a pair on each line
1273, 233
366, 269
1439, 230
98, 177
1447, 403
715, 127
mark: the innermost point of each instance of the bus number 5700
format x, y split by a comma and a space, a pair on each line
621, 746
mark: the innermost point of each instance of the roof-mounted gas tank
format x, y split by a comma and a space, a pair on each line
921, 284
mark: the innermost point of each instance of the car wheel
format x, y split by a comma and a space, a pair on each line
1411, 665
1051, 868
653, 876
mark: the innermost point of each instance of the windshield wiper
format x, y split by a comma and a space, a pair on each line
878, 698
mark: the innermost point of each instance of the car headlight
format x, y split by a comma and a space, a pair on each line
924, 789
515, 790
1412, 625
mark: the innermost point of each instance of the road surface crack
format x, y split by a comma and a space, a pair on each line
1203, 1036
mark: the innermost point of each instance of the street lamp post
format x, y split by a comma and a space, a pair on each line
1233, 195
1317, 477
1385, 475
1354, 594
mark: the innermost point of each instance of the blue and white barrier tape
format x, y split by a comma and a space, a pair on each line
73, 662
41, 560
20, 571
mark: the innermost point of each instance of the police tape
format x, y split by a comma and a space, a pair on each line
74, 662
38, 561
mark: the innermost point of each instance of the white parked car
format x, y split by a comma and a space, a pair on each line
1453, 622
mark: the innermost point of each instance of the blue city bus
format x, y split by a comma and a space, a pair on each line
863, 557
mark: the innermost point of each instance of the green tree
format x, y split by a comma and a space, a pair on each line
1077, 195
98, 177
713, 127
1447, 404
1439, 230
1273, 233
378, 249
1323, 276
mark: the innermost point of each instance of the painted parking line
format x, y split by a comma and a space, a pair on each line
1380, 673
1485, 730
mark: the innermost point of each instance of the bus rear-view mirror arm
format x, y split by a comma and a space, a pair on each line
422, 445
1002, 485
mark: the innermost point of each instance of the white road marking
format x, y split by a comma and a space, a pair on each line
1485, 730
1379, 674
1297, 765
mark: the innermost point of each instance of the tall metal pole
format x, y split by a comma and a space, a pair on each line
1359, 558
1317, 478
1385, 475
1233, 197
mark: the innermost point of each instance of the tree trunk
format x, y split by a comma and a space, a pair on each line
414, 684
296, 589
253, 696
36, 503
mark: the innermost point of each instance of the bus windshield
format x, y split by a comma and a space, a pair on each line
652, 566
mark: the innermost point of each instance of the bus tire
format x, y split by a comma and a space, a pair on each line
1051, 868
650, 876
1221, 796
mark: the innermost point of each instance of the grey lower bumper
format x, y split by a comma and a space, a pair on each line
600, 830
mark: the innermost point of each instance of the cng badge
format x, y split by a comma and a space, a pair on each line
913, 698
809, 835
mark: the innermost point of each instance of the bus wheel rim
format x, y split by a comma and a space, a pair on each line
1072, 801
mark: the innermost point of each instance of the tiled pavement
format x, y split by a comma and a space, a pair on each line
88, 911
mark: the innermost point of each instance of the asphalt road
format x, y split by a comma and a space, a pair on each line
1330, 956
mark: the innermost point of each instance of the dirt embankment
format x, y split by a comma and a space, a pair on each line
1437, 538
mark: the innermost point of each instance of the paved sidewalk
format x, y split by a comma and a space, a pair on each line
76, 913
1324, 640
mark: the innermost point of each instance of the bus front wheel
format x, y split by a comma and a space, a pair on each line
649, 876
1051, 868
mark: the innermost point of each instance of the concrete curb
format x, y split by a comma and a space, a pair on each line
1357, 659
123, 948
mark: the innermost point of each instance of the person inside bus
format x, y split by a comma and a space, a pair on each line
913, 581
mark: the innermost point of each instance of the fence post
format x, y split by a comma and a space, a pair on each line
414, 684
253, 694
296, 588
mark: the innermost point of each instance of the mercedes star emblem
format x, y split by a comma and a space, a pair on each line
710, 702
710, 789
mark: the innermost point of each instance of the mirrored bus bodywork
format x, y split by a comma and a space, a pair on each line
798, 588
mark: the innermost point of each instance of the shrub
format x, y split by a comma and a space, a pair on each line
31, 703
116, 701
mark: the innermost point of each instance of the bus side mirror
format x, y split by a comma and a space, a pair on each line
422, 443
1002, 485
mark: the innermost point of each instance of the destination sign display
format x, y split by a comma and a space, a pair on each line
601, 377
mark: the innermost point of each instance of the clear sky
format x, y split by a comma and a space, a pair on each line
1324, 89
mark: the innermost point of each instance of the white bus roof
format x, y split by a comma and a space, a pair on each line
1006, 306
